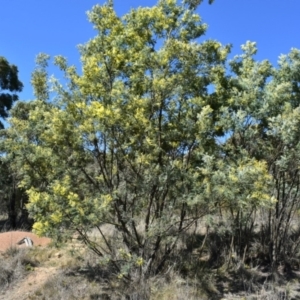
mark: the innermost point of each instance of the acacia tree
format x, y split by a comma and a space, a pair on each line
283, 159
131, 142
244, 120
261, 119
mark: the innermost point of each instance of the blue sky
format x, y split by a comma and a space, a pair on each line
57, 27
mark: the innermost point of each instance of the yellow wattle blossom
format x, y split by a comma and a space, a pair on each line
38, 228
106, 200
139, 262
57, 217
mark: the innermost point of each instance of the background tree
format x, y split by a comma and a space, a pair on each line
10, 83
10, 195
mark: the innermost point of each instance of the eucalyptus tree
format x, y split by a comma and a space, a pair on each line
9, 82
9, 86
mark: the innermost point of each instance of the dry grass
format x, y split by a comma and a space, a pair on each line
14, 264
80, 276
67, 286
174, 287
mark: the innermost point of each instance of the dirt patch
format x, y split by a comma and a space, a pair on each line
11, 239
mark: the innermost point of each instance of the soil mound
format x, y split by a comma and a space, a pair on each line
11, 239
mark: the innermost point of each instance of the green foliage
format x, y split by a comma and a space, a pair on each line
155, 134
